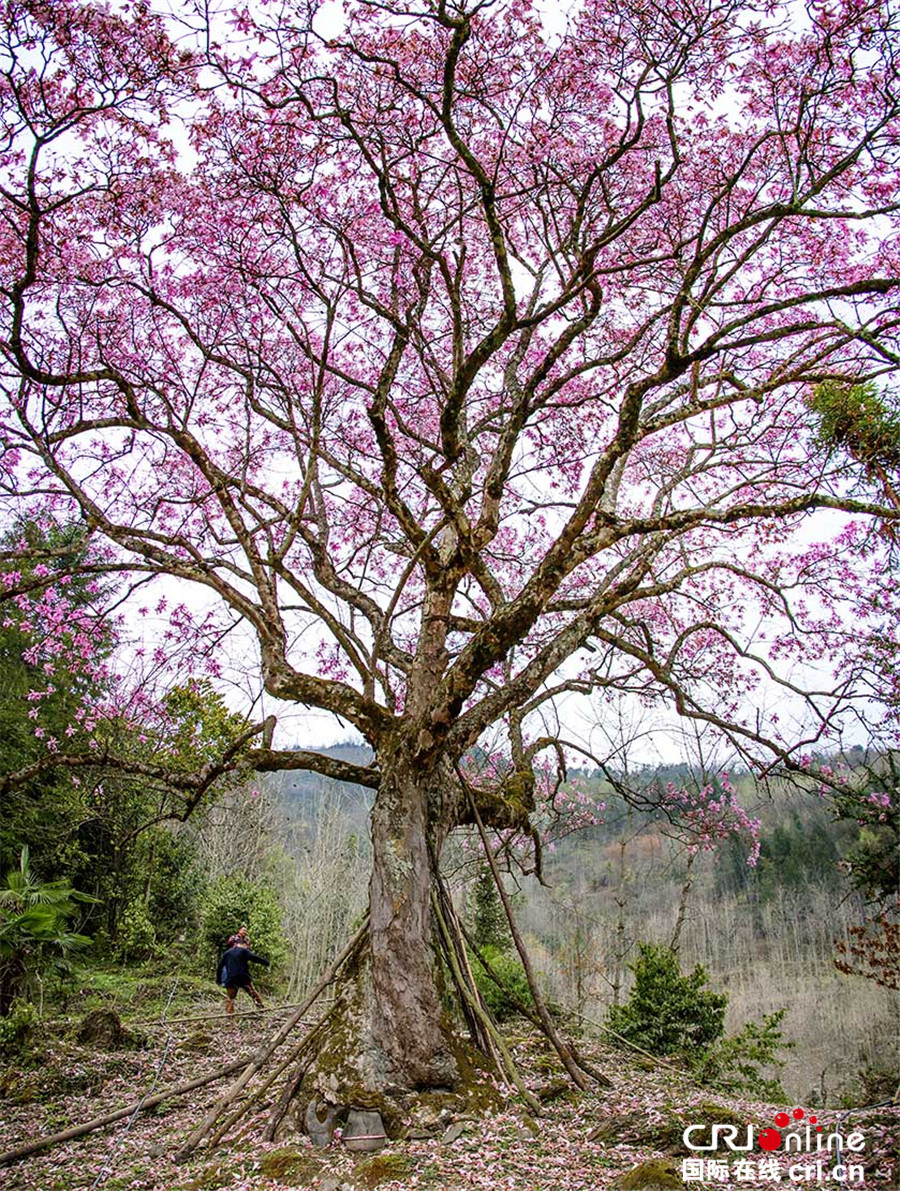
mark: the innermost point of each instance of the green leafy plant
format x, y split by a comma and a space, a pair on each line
16, 1028
509, 970
670, 1013
864, 423
859, 419
34, 929
734, 1063
202, 728
137, 935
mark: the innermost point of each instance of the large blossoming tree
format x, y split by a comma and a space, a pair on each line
465, 362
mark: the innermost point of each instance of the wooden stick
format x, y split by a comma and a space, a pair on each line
265, 1051
232, 1119
519, 1006
110, 1118
522, 1008
549, 1029
506, 1060
292, 1085
216, 1015
481, 1036
293, 1056
283, 1103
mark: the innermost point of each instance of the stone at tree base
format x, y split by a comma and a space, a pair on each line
320, 1129
364, 1132
351, 1071
102, 1027
454, 1133
659, 1174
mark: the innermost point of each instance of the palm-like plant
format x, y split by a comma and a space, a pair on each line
34, 929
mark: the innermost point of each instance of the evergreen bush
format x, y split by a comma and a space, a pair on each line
668, 1013
673, 1014
490, 926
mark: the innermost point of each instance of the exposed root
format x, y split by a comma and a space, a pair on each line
352, 1072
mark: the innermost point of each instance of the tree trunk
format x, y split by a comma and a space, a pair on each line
404, 971
390, 1036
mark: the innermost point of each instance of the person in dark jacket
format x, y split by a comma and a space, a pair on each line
234, 973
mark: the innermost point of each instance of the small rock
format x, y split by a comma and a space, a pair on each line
329, 1183
419, 1134
454, 1133
157, 1151
102, 1027
655, 1175
197, 1043
531, 1125
555, 1090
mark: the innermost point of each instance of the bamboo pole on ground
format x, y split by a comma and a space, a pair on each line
110, 1118
215, 1015
258, 1092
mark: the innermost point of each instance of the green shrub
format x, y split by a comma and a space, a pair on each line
732, 1064
232, 902
136, 939
668, 1013
509, 969
177, 884
16, 1028
34, 929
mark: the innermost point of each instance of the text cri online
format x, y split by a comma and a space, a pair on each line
799, 1142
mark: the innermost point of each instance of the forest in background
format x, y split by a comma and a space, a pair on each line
766, 933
